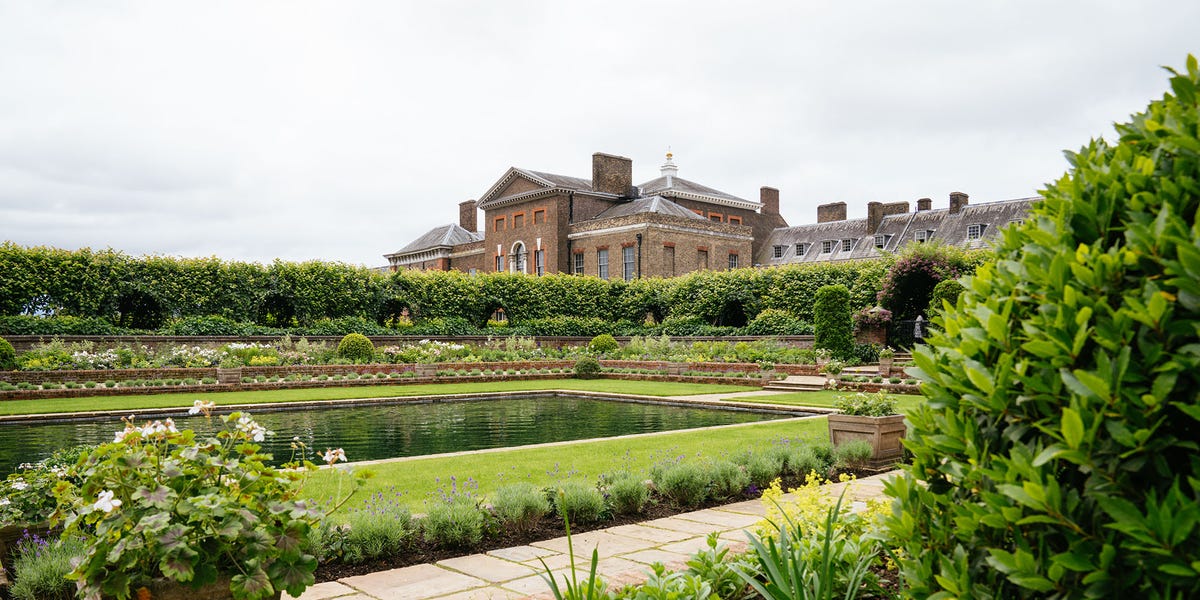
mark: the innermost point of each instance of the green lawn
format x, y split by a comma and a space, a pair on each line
123, 403
585, 460
821, 398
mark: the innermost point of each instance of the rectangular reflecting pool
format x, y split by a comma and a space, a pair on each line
379, 431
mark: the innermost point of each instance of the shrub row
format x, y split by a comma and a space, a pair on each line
155, 292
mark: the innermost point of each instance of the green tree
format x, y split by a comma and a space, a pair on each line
1057, 455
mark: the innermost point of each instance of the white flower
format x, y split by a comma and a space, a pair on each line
19, 484
106, 502
334, 455
170, 425
200, 406
5, 501
129, 428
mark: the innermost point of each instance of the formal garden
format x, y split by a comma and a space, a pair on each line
1053, 451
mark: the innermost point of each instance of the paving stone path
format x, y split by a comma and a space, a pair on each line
626, 553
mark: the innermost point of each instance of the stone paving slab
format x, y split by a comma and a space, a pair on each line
720, 518
607, 544
486, 567
409, 583
625, 551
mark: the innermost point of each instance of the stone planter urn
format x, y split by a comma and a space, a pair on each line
883, 433
230, 376
885, 366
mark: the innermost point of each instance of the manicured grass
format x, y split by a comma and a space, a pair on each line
123, 403
821, 398
585, 460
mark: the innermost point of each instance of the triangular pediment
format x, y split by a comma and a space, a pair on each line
514, 181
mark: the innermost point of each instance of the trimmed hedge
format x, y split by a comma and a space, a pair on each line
107, 292
834, 328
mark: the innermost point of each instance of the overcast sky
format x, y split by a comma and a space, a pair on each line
343, 130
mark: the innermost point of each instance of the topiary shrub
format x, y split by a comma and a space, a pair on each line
356, 347
1057, 453
948, 291
587, 368
8, 356
833, 329
603, 344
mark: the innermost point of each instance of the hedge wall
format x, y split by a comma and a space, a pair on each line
155, 292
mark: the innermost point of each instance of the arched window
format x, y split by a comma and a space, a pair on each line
519, 257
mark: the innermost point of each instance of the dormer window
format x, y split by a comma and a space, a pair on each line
923, 236
778, 251
975, 231
801, 249
826, 246
847, 245
880, 241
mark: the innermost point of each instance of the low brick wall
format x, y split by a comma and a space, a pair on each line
283, 385
24, 342
102, 375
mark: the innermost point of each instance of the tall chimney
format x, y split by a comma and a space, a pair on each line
468, 216
612, 174
874, 216
769, 197
834, 211
924, 204
958, 200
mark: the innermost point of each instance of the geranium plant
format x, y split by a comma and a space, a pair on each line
158, 503
879, 404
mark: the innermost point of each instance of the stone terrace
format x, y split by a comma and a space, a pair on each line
626, 553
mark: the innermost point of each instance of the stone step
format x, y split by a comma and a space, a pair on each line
797, 383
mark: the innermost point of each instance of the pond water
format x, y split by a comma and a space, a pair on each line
376, 431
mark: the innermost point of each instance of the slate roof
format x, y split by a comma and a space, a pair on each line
652, 204
678, 184
896, 230
563, 181
444, 236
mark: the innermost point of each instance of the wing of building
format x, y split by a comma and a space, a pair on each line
537, 223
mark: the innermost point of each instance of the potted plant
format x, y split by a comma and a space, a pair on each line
873, 418
885, 361
168, 514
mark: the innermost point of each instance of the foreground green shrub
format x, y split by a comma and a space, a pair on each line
683, 484
628, 494
579, 502
376, 533
40, 567
833, 327
455, 523
1057, 453
8, 356
854, 454
520, 506
356, 347
729, 480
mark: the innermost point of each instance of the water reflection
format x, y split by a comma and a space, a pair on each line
387, 431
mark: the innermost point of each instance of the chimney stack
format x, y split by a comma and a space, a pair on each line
769, 197
924, 204
876, 211
468, 216
958, 201
834, 211
612, 174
